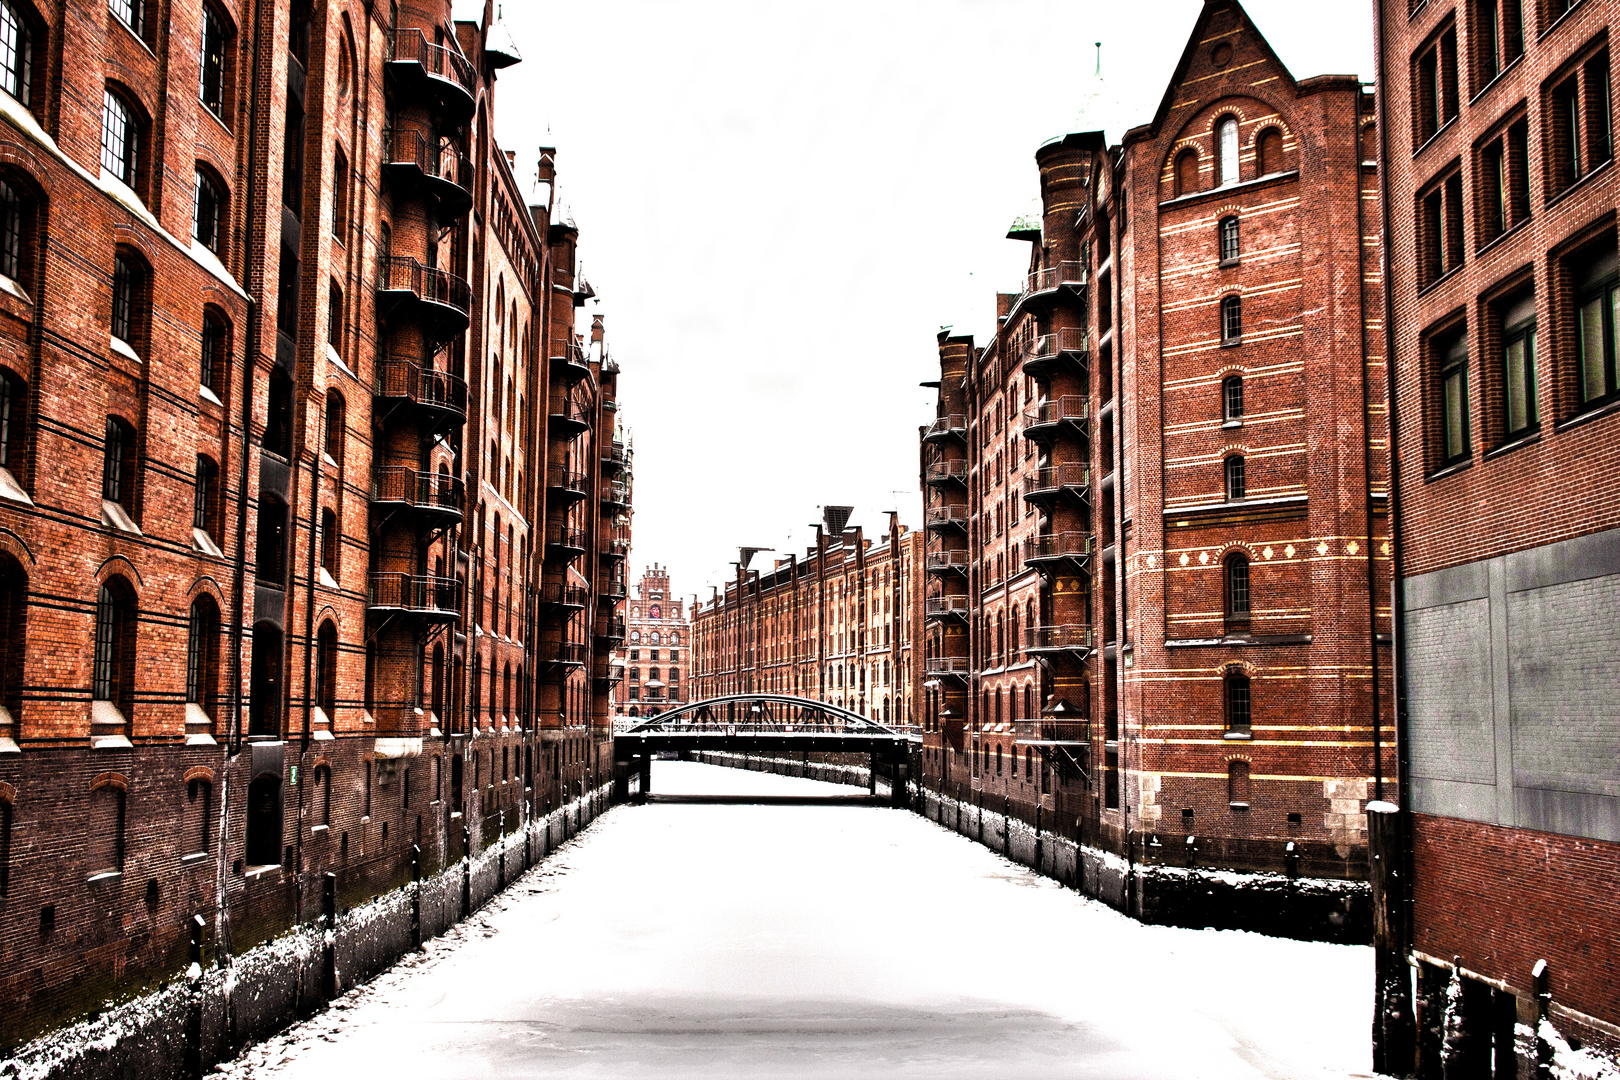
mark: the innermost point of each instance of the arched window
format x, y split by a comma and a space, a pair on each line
271, 564
132, 13
326, 654
16, 53
1237, 785
1236, 482
13, 631
104, 848
1232, 398
1187, 172
1226, 151
13, 402
118, 464
1230, 246
1237, 703
215, 53
334, 317
120, 136
202, 655
215, 355
1369, 143
16, 227
264, 701
998, 759
208, 209
1231, 320
198, 815
1268, 152
112, 674
128, 277
1237, 588
330, 540
336, 425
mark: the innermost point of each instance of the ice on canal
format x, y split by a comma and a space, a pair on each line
701, 940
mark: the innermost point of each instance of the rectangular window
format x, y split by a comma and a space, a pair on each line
1487, 43
203, 496
1503, 170
1434, 76
123, 299
129, 13
1595, 101
1596, 334
1440, 229
118, 137
1229, 240
112, 463
1451, 356
1519, 380
211, 62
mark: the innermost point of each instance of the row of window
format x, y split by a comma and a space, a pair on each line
655, 637
1586, 313
1226, 169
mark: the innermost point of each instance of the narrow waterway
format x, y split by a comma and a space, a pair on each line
703, 940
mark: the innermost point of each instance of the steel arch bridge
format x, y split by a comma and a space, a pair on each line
745, 723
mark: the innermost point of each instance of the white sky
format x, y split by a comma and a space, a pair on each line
780, 204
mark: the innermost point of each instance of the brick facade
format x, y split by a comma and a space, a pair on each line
1499, 212
296, 424
1166, 475
657, 654
838, 625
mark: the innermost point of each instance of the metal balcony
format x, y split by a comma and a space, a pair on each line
1049, 418
410, 160
946, 427
947, 472
567, 487
564, 597
435, 499
612, 632
573, 365
439, 300
1050, 283
615, 496
946, 607
572, 654
432, 599
1046, 485
616, 547
612, 589
615, 458
1072, 548
1049, 640
1070, 347
434, 73
565, 542
941, 518
438, 398
947, 562
956, 667
1052, 732
569, 418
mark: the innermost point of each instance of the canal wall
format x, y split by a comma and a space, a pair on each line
1306, 908
208, 1013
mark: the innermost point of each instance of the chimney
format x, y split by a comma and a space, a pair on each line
511, 158
547, 171
596, 329
836, 517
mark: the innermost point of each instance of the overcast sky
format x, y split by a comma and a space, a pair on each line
780, 204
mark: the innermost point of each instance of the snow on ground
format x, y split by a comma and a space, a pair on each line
694, 940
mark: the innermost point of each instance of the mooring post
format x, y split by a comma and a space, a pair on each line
1394, 1017
644, 764
466, 869
329, 937
1542, 982
1038, 833
416, 897
871, 774
194, 1003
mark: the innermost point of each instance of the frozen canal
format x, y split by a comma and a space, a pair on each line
697, 940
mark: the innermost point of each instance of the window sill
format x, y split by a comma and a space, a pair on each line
124, 348
205, 543
1502, 237
1231, 425
209, 396
1227, 264
1596, 412
194, 858
106, 877
1237, 806
1238, 736
253, 872
1529, 437
1496, 79
316, 830
1449, 470
10, 489
1439, 281
1432, 139
208, 110
1596, 170
1553, 26
1227, 343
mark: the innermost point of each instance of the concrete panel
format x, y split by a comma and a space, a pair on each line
1449, 586
1584, 557
1571, 813
1449, 798
1449, 703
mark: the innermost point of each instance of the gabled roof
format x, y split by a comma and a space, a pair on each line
1212, 10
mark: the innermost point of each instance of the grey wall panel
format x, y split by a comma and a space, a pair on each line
1571, 813
1449, 707
1449, 798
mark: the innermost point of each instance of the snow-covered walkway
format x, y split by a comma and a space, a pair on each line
691, 940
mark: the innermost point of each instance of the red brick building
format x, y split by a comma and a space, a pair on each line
838, 625
1500, 196
298, 443
657, 655
1165, 478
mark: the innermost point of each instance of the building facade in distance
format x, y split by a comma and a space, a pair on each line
838, 625
1504, 293
657, 654
298, 439
1157, 504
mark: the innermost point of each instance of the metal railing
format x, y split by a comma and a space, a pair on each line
1065, 545
617, 545
564, 480
938, 606
571, 412
416, 592
1053, 478
942, 471
1067, 409
946, 425
411, 45
1074, 637
407, 379
1048, 278
614, 589
573, 596
952, 514
948, 560
567, 538
616, 456
1069, 339
616, 492
1053, 730
426, 490
573, 353
566, 652
399, 273
615, 629
946, 665
427, 155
